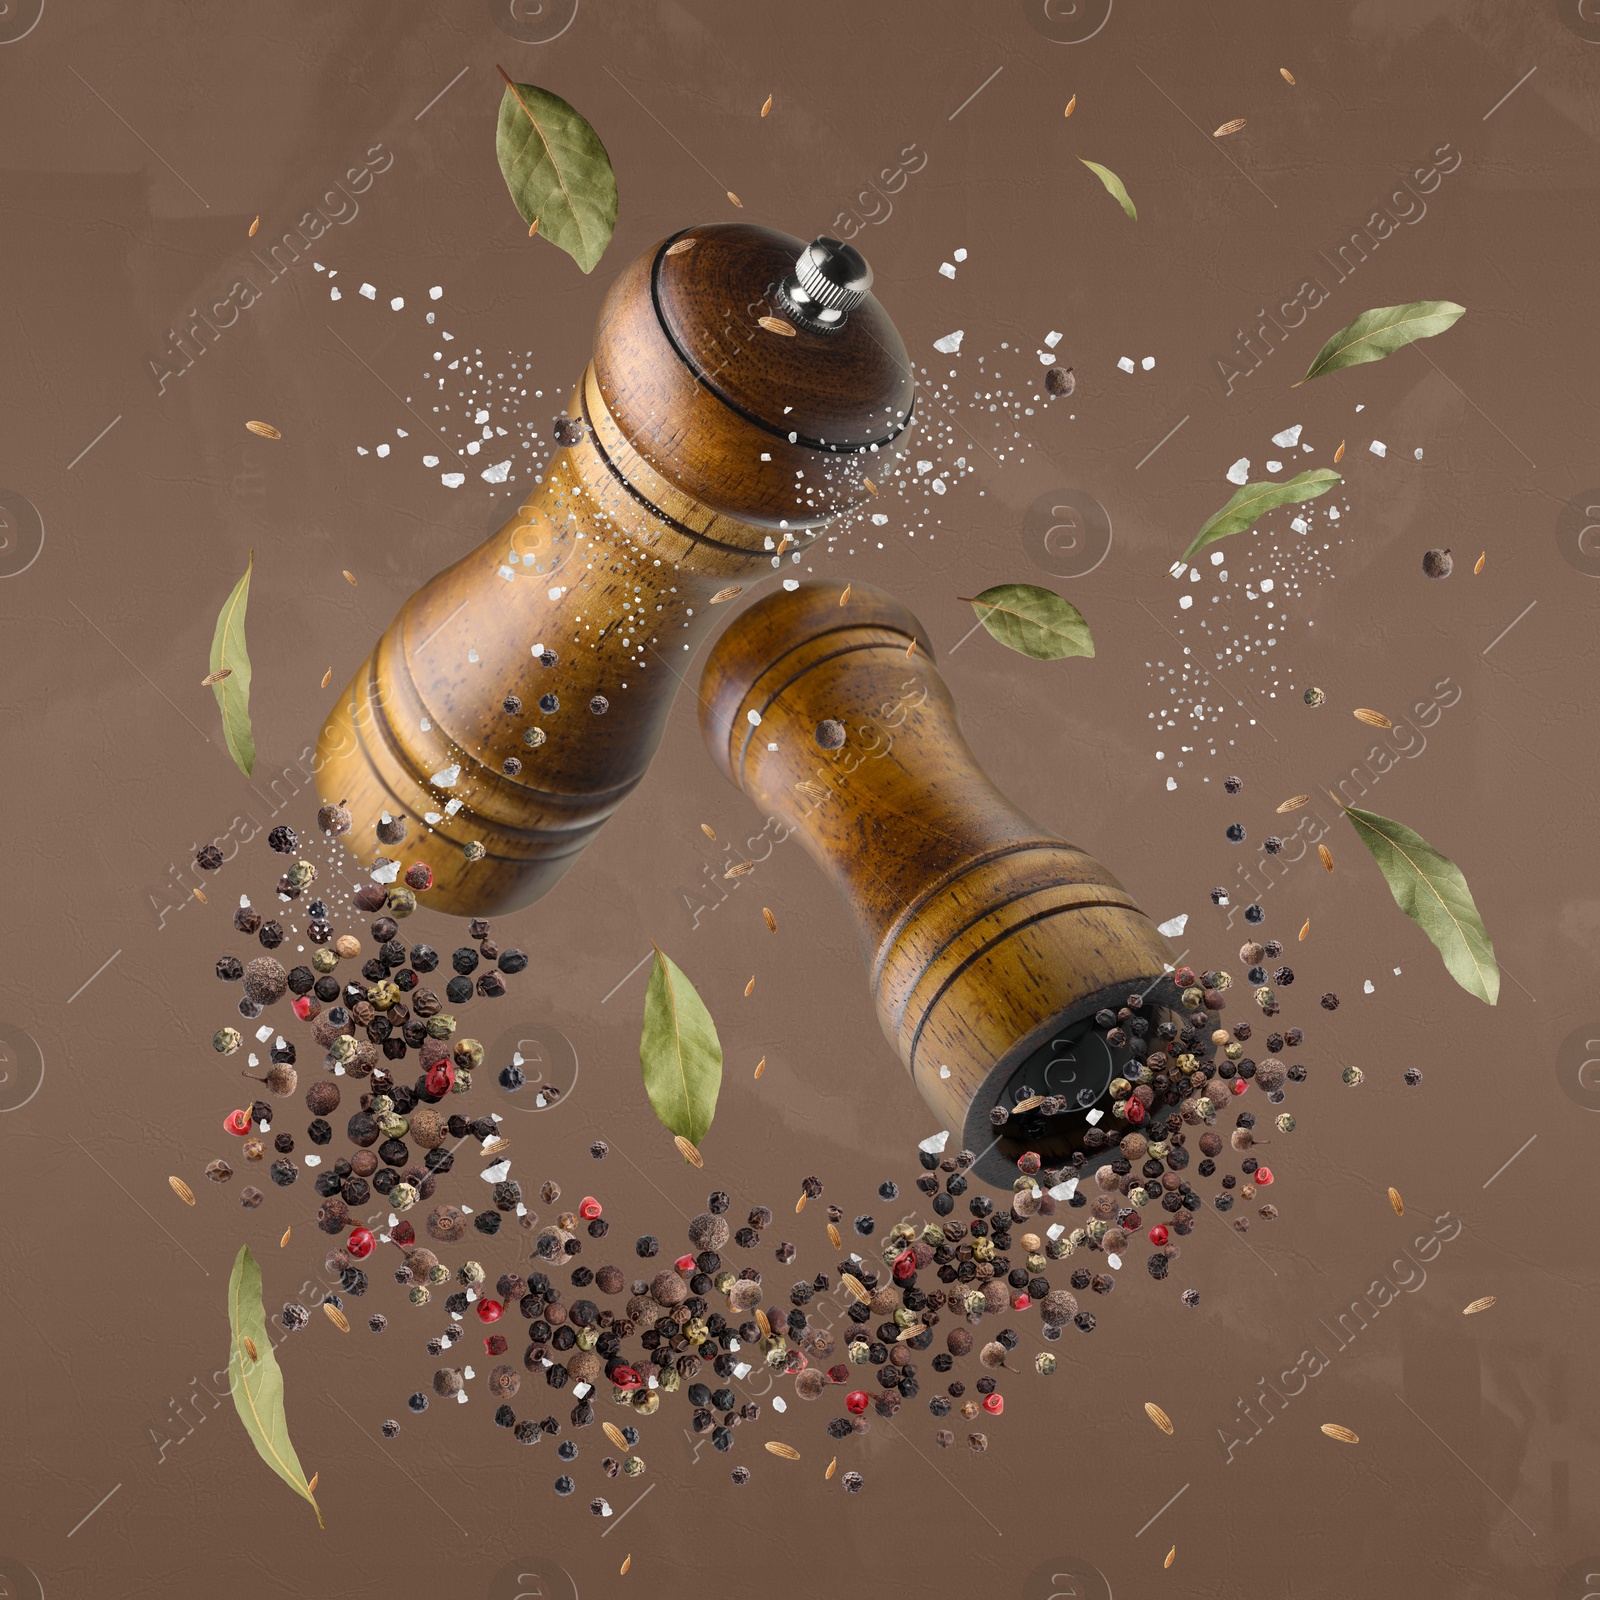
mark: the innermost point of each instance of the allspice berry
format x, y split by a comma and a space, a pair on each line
708, 1231
608, 1280
445, 1223
1438, 564
427, 1127
810, 1383
391, 830
322, 1097
830, 734
280, 1079
668, 1289
1059, 382
1059, 1308
334, 819
447, 1381
745, 1295
993, 1355
958, 1342
504, 1382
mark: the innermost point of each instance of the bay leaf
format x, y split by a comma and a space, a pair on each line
679, 1052
1114, 187
557, 170
257, 1387
1431, 890
1033, 621
230, 673
1380, 332
1254, 501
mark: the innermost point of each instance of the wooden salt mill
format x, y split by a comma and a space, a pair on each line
990, 943
743, 388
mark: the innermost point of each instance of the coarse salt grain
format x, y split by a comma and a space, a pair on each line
950, 344
452, 480
1289, 438
1148, 363
935, 1143
1051, 340
1239, 472
753, 717
778, 1403
1126, 363
435, 292
960, 255
1378, 447
1172, 928
445, 777
368, 292
496, 1173
946, 270
264, 1032
397, 304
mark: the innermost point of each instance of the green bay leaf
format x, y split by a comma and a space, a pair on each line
679, 1052
1430, 889
1033, 621
257, 1385
1114, 187
1380, 332
1254, 500
228, 654
558, 171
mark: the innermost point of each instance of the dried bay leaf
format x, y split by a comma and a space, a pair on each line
258, 1389
1114, 187
1381, 331
230, 673
1431, 890
557, 170
1033, 621
679, 1052
1254, 500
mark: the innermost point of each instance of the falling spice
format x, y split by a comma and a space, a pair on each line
688, 1151
705, 828
350, 578
253, 226
1395, 1200
831, 1465
1338, 455
1286, 75
1478, 1305
200, 895
846, 595
679, 248
182, 1190
215, 677
853, 1286
777, 325
786, 1451
1295, 803
736, 200
1170, 1554
327, 677
1229, 127
739, 868
249, 1346
766, 105
761, 1066
726, 594
750, 988
1071, 105
311, 1488
627, 1561
1327, 856
533, 227
264, 429
1373, 719
1343, 1435
911, 648
285, 1239
1305, 930
762, 1323
1158, 1416
336, 1317
834, 1238
615, 1435
1479, 567
869, 485
770, 920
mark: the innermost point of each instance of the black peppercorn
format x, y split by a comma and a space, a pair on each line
284, 840
230, 969
458, 990
487, 1222
270, 934
284, 1172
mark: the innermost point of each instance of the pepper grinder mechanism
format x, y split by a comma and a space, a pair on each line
698, 452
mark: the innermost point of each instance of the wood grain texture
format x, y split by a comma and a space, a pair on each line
984, 934
663, 502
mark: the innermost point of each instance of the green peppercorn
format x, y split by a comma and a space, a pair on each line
343, 1049
383, 994
470, 1274
1265, 998
462, 1084
403, 1196
632, 1467
1138, 1196
324, 960
1352, 1076
1058, 1249
438, 1273
1120, 1088
467, 1054
441, 1026
393, 1126
1314, 698
1284, 1122
933, 1235
1044, 1363
1036, 1263
859, 1352
1193, 999
402, 902
669, 1380
473, 851
1233, 1051
588, 1338
225, 1041
418, 1295
301, 874
646, 1402
1203, 1108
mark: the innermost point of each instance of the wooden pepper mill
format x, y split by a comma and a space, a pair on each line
990, 943
743, 388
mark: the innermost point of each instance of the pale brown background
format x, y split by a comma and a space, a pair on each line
1477, 1470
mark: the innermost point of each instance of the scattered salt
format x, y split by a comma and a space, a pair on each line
1126, 363
445, 777
368, 292
1239, 472
935, 1143
452, 480
1171, 929
435, 292
946, 270
1378, 447
1148, 363
753, 717
1289, 438
498, 473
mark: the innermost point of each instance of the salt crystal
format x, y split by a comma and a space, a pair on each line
753, 717
1274, 466
1172, 929
451, 807
1361, 408
1114, 1262
333, 293
778, 1403
480, 416
1239, 472
960, 255
944, 1072
946, 270
361, 450
368, 292
452, 480
431, 817
1126, 363
1217, 558
1051, 340
496, 1172
264, 1032
1266, 585
522, 1210
742, 1370
461, 1397
935, 1143
555, 592
950, 344
1367, 987
1172, 783
937, 485
1148, 363
1289, 438
386, 871
466, 1211
264, 1127
1185, 601
878, 519
581, 1390
507, 574
255, 1060
397, 304
1300, 525
383, 449
1055, 1230
771, 746
445, 777
791, 583
472, 1294
473, 447
311, 1161
1093, 1117
1333, 513
924, 467
1417, 453
1378, 447
435, 292
498, 473
430, 461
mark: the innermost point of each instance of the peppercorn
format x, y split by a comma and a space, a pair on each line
284, 1173
270, 934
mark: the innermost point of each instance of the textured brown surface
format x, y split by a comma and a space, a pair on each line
1476, 1474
